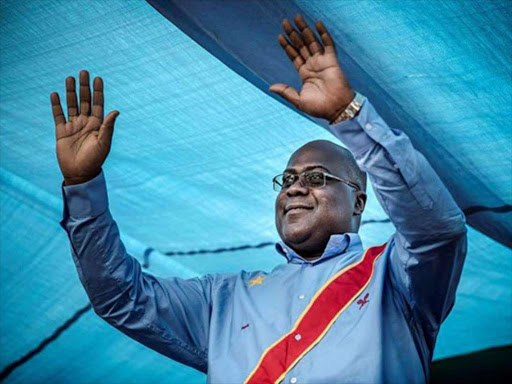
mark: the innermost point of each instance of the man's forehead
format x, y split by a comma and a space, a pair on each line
309, 157
306, 167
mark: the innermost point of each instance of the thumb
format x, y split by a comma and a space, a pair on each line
286, 92
107, 128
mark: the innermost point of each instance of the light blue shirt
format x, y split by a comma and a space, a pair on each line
222, 323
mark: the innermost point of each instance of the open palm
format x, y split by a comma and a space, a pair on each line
84, 140
325, 89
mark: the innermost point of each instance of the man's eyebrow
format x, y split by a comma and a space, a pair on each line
291, 170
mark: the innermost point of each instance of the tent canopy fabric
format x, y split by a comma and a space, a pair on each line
199, 139
438, 79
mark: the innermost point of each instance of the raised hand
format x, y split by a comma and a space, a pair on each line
83, 142
325, 89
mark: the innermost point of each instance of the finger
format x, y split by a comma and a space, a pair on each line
97, 106
296, 39
292, 53
286, 92
107, 129
85, 94
71, 98
308, 35
326, 37
58, 114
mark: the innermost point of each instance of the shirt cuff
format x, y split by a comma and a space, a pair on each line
87, 199
363, 131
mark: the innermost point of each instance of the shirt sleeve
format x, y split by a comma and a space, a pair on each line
427, 251
169, 315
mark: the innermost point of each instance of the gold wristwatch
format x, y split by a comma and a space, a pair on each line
351, 110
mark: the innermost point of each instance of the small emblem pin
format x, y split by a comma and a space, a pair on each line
363, 301
256, 281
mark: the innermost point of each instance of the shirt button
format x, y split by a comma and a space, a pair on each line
368, 126
293, 380
298, 337
301, 297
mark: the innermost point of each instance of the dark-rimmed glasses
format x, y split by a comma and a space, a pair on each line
311, 179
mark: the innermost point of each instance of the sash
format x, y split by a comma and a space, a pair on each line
326, 306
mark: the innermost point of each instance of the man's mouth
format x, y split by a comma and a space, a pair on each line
297, 208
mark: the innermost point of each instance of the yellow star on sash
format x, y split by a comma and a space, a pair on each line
258, 280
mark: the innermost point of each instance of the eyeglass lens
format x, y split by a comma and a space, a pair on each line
310, 179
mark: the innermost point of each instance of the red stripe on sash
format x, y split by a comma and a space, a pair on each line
323, 310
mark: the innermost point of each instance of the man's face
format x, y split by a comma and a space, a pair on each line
329, 210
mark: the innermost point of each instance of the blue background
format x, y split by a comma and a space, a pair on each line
199, 139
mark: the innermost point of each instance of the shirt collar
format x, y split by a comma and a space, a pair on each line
337, 245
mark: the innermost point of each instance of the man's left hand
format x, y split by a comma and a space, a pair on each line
325, 89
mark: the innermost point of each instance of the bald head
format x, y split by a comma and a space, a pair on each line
340, 159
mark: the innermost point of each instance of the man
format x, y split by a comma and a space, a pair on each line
333, 313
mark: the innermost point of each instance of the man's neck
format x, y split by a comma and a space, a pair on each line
310, 256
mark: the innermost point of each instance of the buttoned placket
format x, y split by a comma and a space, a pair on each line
298, 298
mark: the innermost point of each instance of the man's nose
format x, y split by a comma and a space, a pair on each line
297, 188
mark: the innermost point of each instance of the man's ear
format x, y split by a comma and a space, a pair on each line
360, 203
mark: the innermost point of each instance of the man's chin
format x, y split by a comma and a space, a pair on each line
296, 235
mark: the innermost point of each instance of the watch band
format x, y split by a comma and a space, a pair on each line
351, 110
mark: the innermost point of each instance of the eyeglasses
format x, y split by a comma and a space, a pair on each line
311, 179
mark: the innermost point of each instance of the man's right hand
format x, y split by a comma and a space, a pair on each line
83, 142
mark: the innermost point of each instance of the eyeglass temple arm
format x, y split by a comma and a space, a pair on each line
350, 184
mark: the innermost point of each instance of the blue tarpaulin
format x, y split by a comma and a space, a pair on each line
200, 137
